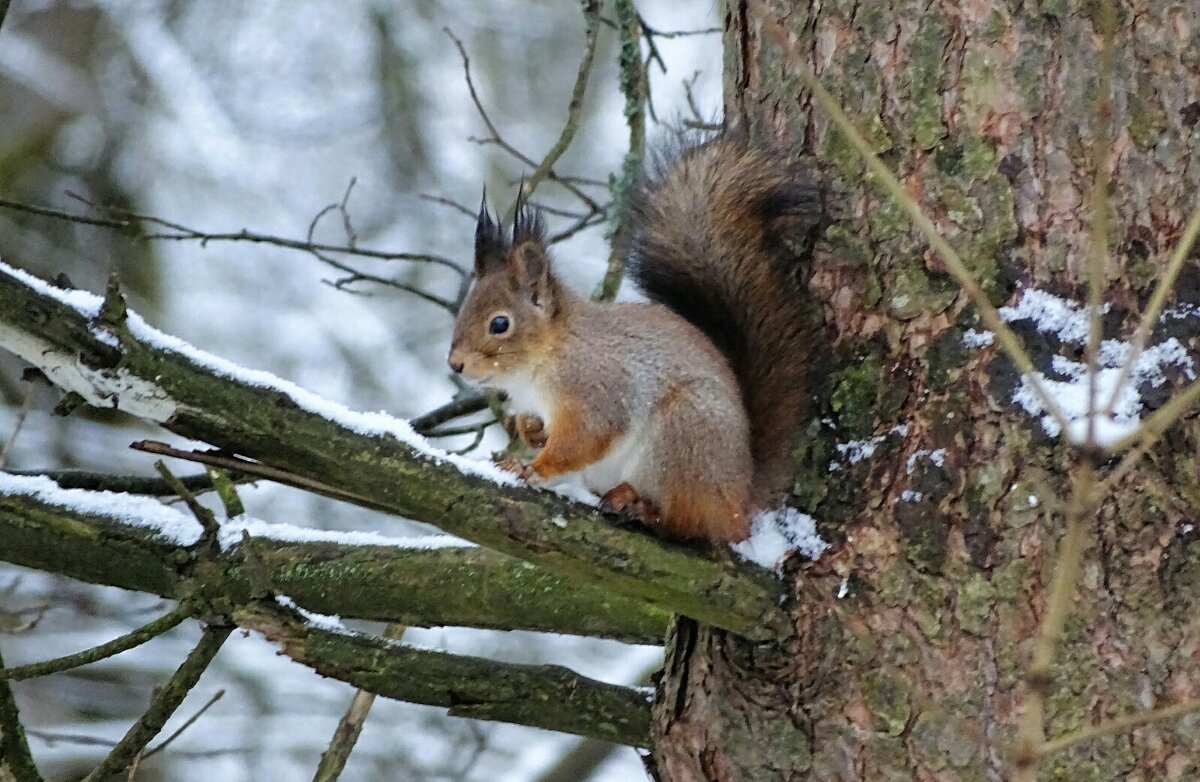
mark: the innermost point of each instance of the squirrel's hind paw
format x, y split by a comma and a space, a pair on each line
624, 502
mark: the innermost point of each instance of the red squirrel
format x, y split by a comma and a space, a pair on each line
682, 411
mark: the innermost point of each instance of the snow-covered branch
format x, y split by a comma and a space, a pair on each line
112, 359
141, 545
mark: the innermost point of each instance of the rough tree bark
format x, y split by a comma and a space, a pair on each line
987, 112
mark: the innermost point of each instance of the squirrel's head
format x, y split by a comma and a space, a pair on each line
506, 320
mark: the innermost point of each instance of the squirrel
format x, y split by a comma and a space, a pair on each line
680, 411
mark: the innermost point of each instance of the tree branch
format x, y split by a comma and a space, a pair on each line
467, 587
196, 396
16, 763
124, 643
540, 696
134, 742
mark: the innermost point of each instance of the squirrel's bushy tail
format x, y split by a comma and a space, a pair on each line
710, 231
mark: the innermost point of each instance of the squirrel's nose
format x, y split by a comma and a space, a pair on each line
457, 366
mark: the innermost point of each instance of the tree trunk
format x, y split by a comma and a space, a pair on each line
987, 113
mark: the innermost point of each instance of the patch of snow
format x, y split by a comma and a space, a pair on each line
977, 339
843, 588
165, 522
908, 495
1033, 501
1070, 322
900, 430
776, 533
328, 622
938, 457
233, 530
1180, 312
1051, 314
855, 451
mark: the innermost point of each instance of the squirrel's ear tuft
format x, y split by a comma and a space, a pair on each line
528, 225
529, 271
490, 247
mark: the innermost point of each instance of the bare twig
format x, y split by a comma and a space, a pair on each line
22, 414
129, 223
227, 491
1182, 249
1152, 429
345, 736
1120, 725
457, 408
218, 695
1031, 732
444, 201
130, 640
453, 431
208, 522
228, 462
497, 139
591, 10
127, 484
163, 706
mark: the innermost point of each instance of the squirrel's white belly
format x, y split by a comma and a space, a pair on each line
525, 395
622, 464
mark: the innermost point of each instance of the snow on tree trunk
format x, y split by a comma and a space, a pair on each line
912, 636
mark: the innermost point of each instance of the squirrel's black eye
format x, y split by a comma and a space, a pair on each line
499, 325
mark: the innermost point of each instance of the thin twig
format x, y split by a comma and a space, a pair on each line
124, 643
208, 522
345, 736
473, 444
498, 139
1153, 428
1182, 249
453, 431
22, 414
163, 706
228, 462
218, 695
591, 10
457, 408
125, 484
1120, 725
1031, 731
128, 223
954, 264
444, 201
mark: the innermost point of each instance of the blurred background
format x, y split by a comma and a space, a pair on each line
257, 115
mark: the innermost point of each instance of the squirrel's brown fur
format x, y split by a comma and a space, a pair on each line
711, 233
644, 401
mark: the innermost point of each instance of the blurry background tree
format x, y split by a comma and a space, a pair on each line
985, 592
256, 115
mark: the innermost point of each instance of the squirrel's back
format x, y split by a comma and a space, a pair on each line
710, 241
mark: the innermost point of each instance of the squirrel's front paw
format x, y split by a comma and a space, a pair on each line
531, 428
523, 471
